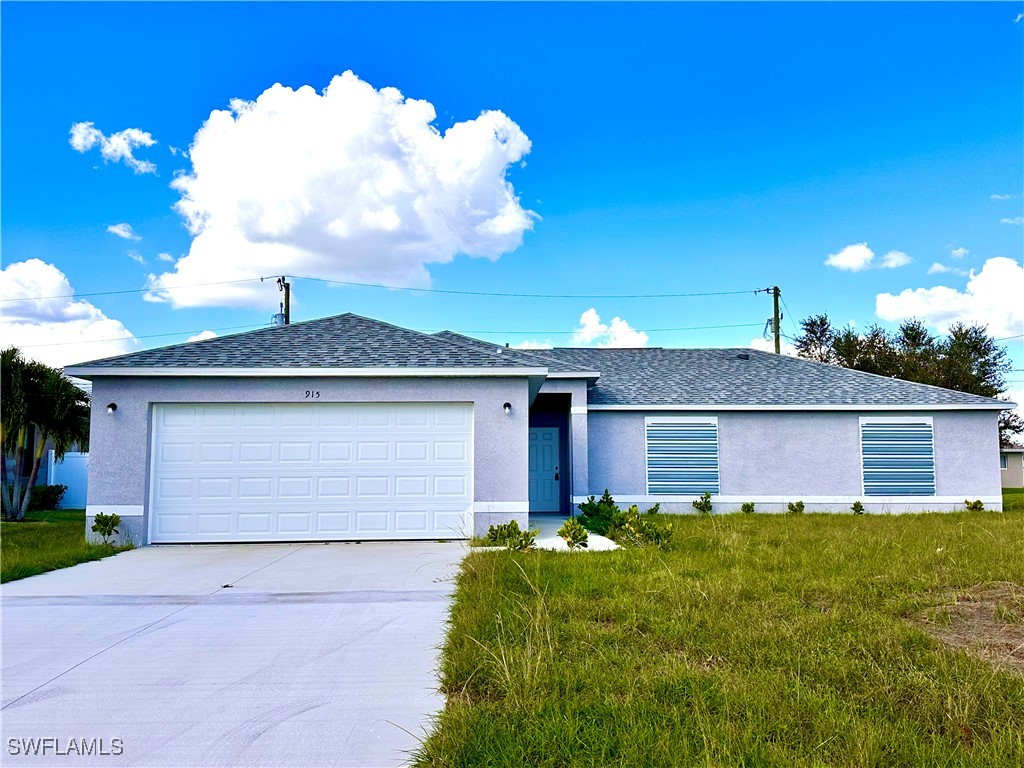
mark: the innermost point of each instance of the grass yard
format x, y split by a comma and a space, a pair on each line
1013, 499
45, 542
755, 640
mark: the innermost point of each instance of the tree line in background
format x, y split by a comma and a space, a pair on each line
38, 404
966, 359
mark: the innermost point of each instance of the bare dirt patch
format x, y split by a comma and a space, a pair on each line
986, 620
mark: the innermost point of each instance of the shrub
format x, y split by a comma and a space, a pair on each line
596, 515
510, 536
795, 507
574, 534
45, 497
523, 542
633, 529
974, 506
703, 504
106, 525
858, 508
747, 507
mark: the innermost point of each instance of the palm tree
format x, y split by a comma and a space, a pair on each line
41, 401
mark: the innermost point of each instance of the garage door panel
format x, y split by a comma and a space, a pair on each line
291, 472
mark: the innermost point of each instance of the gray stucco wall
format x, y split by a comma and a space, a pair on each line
800, 455
120, 442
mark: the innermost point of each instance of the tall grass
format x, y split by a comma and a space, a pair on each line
751, 640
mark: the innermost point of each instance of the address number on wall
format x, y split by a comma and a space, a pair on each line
312, 394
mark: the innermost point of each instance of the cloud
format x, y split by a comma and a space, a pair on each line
116, 147
768, 345
1003, 197
942, 269
617, 333
852, 258
123, 230
991, 298
40, 327
533, 344
1017, 18
353, 183
858, 257
959, 253
164, 257
895, 259
1014, 220
203, 336
136, 256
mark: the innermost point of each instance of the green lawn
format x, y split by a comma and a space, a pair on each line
754, 640
1013, 499
45, 542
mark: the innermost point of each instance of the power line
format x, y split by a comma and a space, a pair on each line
129, 290
566, 333
147, 336
494, 294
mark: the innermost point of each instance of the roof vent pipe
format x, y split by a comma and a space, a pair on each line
743, 356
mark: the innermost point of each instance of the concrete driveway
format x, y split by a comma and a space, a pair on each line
241, 655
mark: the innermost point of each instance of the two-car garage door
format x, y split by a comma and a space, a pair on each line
311, 471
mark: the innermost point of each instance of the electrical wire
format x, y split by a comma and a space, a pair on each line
128, 290
146, 336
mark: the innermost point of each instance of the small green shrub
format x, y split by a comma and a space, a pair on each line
596, 514
795, 507
106, 525
574, 534
974, 506
747, 507
46, 497
858, 508
635, 529
510, 536
703, 504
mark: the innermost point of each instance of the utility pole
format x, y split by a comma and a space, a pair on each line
285, 286
776, 327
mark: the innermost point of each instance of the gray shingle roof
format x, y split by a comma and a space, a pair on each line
343, 341
696, 377
530, 358
629, 377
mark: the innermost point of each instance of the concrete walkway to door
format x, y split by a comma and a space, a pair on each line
254, 655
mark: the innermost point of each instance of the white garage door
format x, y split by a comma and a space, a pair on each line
325, 471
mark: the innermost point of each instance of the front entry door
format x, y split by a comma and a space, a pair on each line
545, 483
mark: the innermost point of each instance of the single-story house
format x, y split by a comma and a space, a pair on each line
347, 428
1011, 467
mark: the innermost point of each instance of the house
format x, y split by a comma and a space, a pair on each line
1011, 467
347, 428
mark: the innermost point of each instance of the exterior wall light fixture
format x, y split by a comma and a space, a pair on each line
111, 407
508, 408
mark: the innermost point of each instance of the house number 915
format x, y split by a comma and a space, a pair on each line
312, 394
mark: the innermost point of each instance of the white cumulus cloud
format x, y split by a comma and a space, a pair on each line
1013, 220
992, 298
57, 331
115, 148
353, 183
941, 269
959, 253
203, 336
858, 257
1003, 197
136, 256
617, 333
164, 257
123, 230
768, 345
533, 344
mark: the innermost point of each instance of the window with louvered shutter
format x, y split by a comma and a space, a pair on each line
897, 457
682, 456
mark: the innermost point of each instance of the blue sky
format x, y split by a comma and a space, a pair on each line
672, 149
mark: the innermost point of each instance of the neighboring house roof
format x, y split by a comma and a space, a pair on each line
342, 341
1011, 449
625, 378
745, 377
